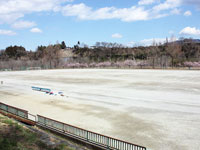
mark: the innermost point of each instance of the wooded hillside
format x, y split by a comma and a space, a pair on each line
182, 53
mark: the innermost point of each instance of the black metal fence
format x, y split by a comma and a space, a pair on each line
17, 112
13, 110
78, 133
92, 137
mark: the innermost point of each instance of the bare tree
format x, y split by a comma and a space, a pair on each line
52, 55
174, 51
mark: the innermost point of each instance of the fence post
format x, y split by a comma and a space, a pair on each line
35, 118
108, 143
87, 135
63, 127
45, 121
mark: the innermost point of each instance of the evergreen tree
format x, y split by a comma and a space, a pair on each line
63, 46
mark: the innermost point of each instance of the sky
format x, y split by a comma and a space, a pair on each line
31, 23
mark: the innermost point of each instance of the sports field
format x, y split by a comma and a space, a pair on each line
158, 109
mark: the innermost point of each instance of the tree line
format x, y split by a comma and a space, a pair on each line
181, 53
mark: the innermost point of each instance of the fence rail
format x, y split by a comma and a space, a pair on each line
89, 136
13, 110
79, 133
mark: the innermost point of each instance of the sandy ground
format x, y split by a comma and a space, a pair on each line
159, 109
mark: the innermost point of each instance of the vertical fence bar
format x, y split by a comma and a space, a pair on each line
108, 142
87, 135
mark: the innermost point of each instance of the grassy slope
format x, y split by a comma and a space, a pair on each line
14, 136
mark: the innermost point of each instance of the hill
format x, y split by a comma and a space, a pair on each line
181, 53
17, 136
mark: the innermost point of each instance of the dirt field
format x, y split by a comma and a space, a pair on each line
159, 109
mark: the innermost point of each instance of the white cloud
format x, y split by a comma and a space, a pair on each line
190, 31
146, 2
23, 24
117, 35
135, 13
172, 38
11, 10
10, 18
168, 4
187, 13
7, 32
130, 44
83, 12
36, 30
175, 11
148, 42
